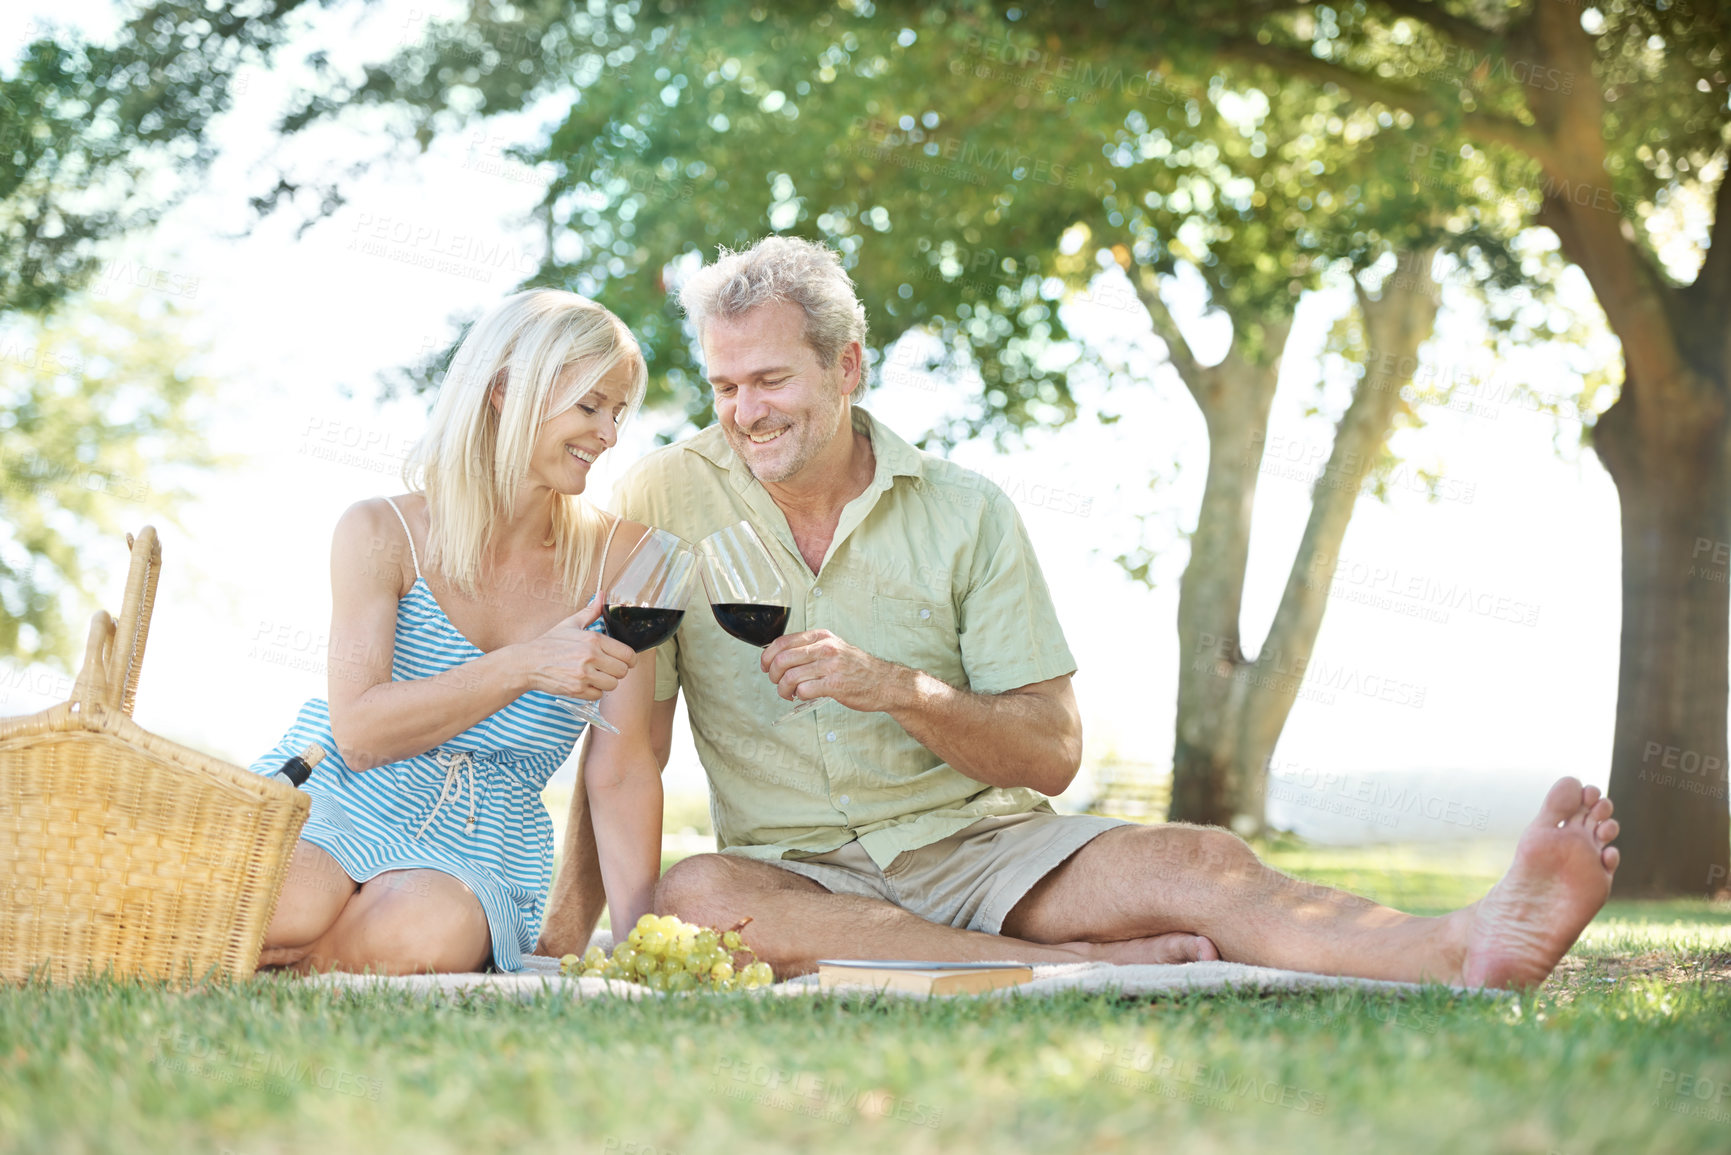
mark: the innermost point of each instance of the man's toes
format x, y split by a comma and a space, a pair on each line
1606, 830
1601, 810
1562, 803
1610, 856
1589, 796
1185, 948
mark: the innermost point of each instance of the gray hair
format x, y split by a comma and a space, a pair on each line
781, 269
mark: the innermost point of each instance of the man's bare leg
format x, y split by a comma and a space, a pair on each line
1135, 882
795, 922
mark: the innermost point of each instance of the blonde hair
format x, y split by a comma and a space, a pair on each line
472, 458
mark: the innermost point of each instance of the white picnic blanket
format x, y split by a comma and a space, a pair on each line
1189, 978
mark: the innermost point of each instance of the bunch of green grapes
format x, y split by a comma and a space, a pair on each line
665, 954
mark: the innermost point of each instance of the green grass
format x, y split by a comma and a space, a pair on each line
1609, 1057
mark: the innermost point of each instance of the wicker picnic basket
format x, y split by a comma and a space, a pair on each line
120, 851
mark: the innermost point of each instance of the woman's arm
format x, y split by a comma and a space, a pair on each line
623, 781
376, 720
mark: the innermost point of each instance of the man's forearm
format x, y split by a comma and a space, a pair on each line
1020, 738
578, 896
1029, 736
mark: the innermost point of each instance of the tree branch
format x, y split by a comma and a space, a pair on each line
1456, 28
1522, 138
1630, 289
1178, 350
1395, 325
1713, 282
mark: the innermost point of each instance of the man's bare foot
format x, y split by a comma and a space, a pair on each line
1160, 948
1560, 878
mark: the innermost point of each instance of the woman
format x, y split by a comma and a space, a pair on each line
452, 633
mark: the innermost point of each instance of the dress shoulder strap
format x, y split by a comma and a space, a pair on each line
601, 571
413, 556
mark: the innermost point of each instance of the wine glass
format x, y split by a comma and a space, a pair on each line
746, 592
645, 604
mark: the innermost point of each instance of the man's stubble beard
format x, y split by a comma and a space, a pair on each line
808, 452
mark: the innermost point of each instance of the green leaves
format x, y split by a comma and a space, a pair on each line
97, 142
99, 421
977, 165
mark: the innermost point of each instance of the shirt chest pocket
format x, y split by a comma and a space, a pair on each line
919, 634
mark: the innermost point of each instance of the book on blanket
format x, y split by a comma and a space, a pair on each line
920, 977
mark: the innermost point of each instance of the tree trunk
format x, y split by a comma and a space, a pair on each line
1211, 685
1396, 324
1231, 709
1664, 444
1668, 755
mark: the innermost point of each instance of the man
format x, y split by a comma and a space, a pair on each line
906, 815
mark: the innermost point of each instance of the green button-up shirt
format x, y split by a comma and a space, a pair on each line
930, 568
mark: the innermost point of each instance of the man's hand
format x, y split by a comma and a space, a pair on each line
1030, 736
817, 664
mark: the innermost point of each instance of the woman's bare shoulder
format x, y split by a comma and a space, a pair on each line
371, 512
629, 532
369, 534
625, 539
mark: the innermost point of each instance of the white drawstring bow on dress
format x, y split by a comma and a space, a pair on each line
454, 762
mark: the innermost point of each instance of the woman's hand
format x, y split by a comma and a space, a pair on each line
573, 661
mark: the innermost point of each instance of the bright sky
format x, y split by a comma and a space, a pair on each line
1495, 708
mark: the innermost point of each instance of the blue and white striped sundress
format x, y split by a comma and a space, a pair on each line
470, 807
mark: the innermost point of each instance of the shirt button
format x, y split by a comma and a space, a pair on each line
817, 591
829, 737
844, 800
925, 613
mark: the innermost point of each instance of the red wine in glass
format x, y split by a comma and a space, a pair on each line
643, 627
753, 623
746, 592
644, 604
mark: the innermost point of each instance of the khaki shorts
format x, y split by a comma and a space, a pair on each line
972, 879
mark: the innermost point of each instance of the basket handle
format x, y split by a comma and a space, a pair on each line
126, 654
91, 689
